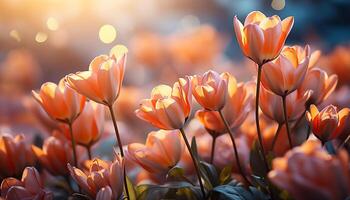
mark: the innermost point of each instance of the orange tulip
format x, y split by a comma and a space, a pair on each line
285, 74
60, 101
309, 172
15, 155
212, 122
168, 108
320, 83
210, 90
104, 79
328, 124
55, 154
29, 187
88, 127
303, 53
271, 105
161, 152
262, 38
100, 174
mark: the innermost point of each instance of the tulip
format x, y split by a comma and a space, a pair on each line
88, 127
261, 38
55, 154
212, 122
15, 155
100, 174
271, 105
309, 172
210, 90
161, 152
320, 83
59, 101
103, 81
302, 54
104, 193
328, 124
29, 187
285, 74
168, 108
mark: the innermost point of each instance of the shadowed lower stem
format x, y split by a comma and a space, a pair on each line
240, 169
212, 149
88, 149
195, 163
73, 145
257, 118
286, 120
276, 136
120, 148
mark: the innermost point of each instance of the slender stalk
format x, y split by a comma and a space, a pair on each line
276, 136
73, 145
286, 120
110, 107
257, 118
88, 148
241, 171
195, 163
212, 149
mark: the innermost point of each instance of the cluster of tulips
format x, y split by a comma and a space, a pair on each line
294, 150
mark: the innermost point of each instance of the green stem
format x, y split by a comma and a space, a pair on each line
276, 136
195, 163
286, 120
120, 147
257, 118
73, 144
240, 169
212, 149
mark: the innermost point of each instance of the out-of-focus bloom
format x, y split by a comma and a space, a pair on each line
285, 74
29, 187
210, 90
271, 105
262, 38
328, 123
320, 83
104, 79
211, 121
161, 152
338, 62
309, 172
15, 155
55, 154
168, 108
100, 174
60, 101
281, 145
104, 193
88, 127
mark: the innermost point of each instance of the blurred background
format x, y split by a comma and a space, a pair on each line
43, 40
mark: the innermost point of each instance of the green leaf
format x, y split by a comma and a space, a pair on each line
229, 192
225, 175
194, 148
131, 189
210, 174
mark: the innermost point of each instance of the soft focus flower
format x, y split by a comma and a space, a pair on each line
15, 155
104, 193
320, 83
161, 152
210, 90
328, 123
338, 61
60, 101
88, 127
211, 121
104, 79
309, 172
281, 145
100, 174
261, 38
29, 187
168, 108
285, 74
55, 154
271, 105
